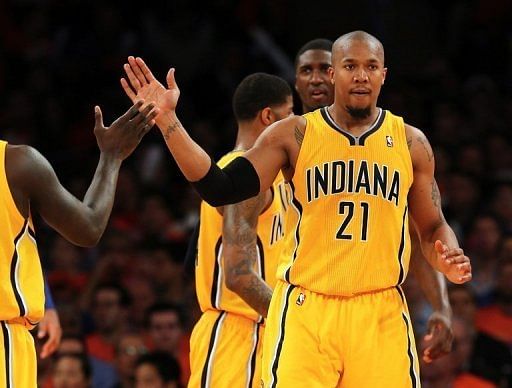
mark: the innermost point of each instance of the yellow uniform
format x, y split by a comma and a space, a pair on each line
226, 343
21, 290
346, 253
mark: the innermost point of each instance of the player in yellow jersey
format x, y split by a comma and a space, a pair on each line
238, 251
28, 184
338, 317
315, 90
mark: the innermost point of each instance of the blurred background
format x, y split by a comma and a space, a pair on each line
449, 74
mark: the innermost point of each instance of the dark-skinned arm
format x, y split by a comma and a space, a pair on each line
239, 235
438, 241
80, 222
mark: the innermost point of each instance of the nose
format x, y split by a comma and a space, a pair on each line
316, 77
361, 75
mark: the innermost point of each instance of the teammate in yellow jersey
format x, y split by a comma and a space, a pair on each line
27, 184
338, 317
238, 251
314, 87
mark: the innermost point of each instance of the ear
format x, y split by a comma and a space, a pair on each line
267, 116
384, 72
331, 74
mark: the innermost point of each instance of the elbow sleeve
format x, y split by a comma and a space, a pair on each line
236, 182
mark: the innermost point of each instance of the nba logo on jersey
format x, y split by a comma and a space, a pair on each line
389, 141
300, 299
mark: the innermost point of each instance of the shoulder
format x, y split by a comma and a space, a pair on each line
419, 146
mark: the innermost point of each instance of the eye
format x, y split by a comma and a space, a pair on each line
350, 67
373, 67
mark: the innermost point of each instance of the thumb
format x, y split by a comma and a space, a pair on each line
439, 247
171, 81
41, 332
98, 117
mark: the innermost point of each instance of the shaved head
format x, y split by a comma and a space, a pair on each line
345, 41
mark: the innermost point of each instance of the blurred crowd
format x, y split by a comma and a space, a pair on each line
130, 302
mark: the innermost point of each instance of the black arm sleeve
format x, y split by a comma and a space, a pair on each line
234, 183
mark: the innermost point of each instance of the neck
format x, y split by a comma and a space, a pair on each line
352, 124
246, 136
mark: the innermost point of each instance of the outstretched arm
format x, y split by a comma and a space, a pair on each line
440, 336
241, 179
438, 241
80, 222
239, 235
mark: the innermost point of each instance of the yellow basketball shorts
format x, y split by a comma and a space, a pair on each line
18, 365
225, 351
318, 341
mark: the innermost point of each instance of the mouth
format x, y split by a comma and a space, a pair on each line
318, 94
360, 92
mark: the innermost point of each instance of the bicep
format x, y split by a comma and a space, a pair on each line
273, 149
424, 195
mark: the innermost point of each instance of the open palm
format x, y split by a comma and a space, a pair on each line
143, 85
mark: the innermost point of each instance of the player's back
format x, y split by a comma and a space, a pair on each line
211, 288
21, 281
348, 226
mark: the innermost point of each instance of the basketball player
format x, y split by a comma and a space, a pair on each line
338, 316
315, 90
238, 252
28, 184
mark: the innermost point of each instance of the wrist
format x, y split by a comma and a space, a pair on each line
111, 159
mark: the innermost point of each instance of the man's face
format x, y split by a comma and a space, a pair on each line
312, 80
165, 330
284, 110
358, 74
107, 310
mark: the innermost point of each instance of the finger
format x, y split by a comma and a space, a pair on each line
142, 116
145, 69
145, 129
98, 117
132, 112
171, 81
439, 247
48, 348
465, 278
134, 81
454, 252
128, 90
41, 333
138, 72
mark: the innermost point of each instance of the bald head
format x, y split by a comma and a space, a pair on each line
344, 42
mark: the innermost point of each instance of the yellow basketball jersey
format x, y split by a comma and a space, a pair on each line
211, 289
347, 228
21, 278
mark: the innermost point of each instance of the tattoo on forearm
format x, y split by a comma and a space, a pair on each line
257, 294
170, 129
436, 199
299, 136
409, 142
428, 149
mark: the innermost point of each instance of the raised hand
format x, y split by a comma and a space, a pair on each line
439, 337
122, 137
453, 263
143, 85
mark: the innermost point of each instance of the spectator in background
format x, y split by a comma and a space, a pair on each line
157, 370
130, 347
72, 370
109, 313
165, 326
483, 242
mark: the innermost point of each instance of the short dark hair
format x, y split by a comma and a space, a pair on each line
85, 365
165, 364
162, 307
258, 91
125, 299
315, 44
